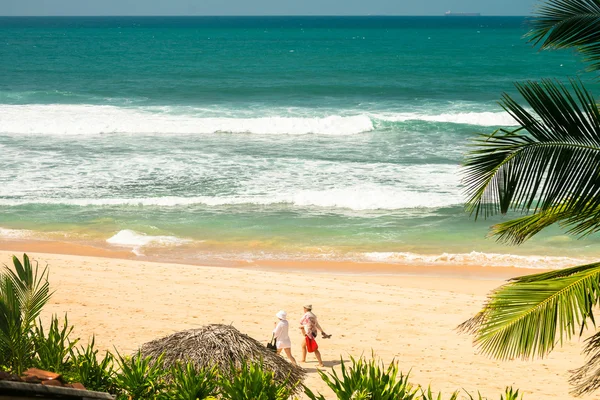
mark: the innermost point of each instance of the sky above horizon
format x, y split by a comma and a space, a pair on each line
261, 7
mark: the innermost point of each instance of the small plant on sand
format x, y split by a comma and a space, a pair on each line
253, 382
140, 378
509, 394
92, 373
53, 351
191, 383
23, 294
367, 380
429, 395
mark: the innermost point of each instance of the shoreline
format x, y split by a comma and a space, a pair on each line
337, 267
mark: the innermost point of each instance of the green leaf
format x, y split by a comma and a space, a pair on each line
23, 294
552, 160
529, 316
518, 230
560, 24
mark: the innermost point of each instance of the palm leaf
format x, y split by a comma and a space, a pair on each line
23, 294
527, 317
32, 287
562, 24
518, 230
586, 379
559, 273
552, 159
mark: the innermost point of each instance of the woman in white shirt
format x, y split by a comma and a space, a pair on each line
281, 333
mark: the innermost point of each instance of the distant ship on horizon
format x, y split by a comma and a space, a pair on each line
461, 14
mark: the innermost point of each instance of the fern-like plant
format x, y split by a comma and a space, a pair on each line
191, 383
93, 373
367, 380
53, 350
140, 378
252, 382
427, 394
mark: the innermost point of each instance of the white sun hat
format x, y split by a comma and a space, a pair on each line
281, 314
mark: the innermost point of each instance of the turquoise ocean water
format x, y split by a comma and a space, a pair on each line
214, 139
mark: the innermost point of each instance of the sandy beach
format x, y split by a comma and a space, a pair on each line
407, 315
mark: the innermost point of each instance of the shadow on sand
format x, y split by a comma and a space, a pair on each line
326, 366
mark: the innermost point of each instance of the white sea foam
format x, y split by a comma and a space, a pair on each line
136, 241
93, 119
476, 258
468, 118
15, 233
88, 119
353, 198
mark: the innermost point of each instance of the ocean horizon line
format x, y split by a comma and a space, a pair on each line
442, 16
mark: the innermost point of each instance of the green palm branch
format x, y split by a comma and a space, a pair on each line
23, 293
551, 163
569, 23
529, 316
549, 170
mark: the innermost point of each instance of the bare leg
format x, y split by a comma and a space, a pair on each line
279, 351
318, 355
288, 353
303, 352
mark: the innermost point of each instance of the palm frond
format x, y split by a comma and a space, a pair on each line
579, 222
559, 24
528, 317
32, 287
559, 273
586, 379
552, 159
23, 294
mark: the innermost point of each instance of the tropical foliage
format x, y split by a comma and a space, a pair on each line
368, 380
548, 169
427, 394
371, 379
190, 383
23, 293
139, 377
253, 382
53, 350
89, 370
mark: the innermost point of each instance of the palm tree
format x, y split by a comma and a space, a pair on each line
549, 170
23, 294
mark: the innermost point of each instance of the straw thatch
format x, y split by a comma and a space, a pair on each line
220, 345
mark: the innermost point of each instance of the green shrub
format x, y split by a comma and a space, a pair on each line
253, 382
140, 378
511, 394
23, 294
53, 352
93, 374
189, 383
367, 380
429, 395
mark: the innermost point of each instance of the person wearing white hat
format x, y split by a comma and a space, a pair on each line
282, 336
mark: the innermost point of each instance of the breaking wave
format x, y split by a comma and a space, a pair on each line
476, 258
93, 119
136, 241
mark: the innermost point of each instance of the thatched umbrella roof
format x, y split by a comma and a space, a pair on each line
220, 345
